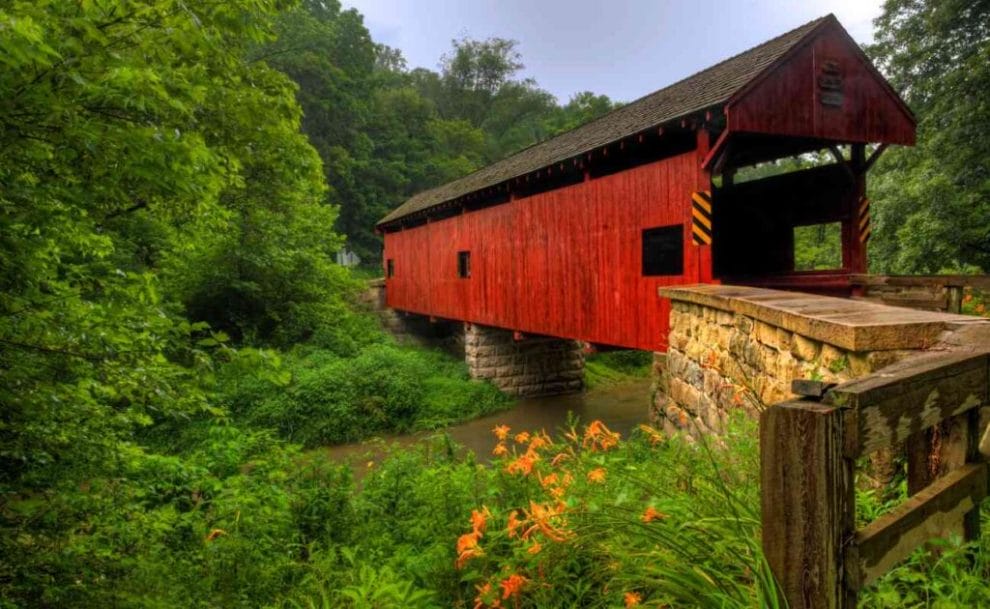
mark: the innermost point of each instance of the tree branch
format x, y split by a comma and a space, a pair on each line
126, 210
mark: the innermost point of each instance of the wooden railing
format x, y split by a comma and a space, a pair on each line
809, 448
933, 292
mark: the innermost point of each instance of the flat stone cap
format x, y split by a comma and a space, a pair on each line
855, 325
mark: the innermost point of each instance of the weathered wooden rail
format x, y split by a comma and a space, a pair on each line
934, 292
809, 451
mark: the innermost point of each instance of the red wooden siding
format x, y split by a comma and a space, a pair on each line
787, 100
563, 263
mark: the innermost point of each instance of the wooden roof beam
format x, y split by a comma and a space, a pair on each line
873, 157
841, 160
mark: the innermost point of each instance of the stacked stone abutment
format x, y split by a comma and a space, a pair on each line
527, 366
735, 348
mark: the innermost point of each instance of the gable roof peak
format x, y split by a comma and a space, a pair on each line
703, 90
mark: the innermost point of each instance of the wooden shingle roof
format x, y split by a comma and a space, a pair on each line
709, 88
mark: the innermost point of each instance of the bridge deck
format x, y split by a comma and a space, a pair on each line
852, 324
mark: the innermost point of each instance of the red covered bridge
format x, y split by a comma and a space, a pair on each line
573, 236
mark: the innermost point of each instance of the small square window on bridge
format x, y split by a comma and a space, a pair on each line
663, 250
390, 268
464, 264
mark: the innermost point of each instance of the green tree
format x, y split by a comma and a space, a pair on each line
473, 73
932, 202
583, 107
380, 139
138, 147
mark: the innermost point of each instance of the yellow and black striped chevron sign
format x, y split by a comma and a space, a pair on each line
863, 220
701, 217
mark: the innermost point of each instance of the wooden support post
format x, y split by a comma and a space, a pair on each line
807, 502
855, 249
703, 182
954, 296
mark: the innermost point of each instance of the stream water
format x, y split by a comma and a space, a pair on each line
621, 406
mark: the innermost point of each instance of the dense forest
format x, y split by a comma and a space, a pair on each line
176, 342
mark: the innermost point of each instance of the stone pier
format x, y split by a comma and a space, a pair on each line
526, 366
521, 366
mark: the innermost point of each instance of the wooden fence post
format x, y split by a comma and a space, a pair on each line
808, 503
953, 298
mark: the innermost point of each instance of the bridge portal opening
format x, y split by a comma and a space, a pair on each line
787, 218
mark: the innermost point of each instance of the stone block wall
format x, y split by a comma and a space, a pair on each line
410, 329
720, 361
419, 330
530, 366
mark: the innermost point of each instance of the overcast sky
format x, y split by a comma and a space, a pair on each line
623, 48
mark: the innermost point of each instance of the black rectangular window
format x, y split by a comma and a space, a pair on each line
464, 264
663, 250
390, 268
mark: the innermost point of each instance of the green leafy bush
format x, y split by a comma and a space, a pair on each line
384, 388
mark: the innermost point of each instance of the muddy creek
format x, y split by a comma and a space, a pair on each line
621, 406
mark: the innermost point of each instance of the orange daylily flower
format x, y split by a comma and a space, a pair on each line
597, 475
542, 518
599, 437
535, 548
654, 434
466, 542
514, 523
501, 432
559, 458
467, 548
632, 599
512, 585
558, 491
500, 450
523, 464
651, 514
484, 593
214, 533
540, 440
479, 520
548, 481
522, 437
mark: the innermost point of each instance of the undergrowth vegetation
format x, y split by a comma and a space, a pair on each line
603, 369
580, 519
325, 398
